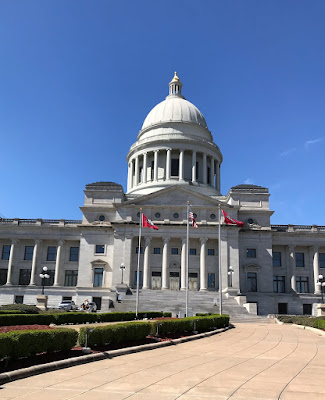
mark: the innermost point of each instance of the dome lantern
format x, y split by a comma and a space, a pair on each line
175, 86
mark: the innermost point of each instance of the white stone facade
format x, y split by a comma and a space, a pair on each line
173, 161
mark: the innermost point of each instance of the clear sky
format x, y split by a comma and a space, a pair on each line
77, 79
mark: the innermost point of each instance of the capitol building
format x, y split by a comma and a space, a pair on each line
265, 269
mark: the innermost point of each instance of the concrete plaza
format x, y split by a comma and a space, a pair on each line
253, 361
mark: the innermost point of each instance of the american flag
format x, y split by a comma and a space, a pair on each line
191, 217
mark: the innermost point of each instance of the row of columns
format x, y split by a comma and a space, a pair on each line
165, 263
134, 165
34, 261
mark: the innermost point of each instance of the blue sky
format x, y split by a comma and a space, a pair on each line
77, 79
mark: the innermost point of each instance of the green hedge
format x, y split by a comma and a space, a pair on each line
74, 318
19, 344
115, 334
314, 322
21, 308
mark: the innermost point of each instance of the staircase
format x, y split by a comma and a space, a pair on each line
174, 302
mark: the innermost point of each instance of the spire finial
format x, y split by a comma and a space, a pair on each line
175, 86
176, 78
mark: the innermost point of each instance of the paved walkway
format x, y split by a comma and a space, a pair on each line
253, 361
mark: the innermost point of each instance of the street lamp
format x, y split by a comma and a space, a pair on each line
321, 284
122, 268
230, 274
44, 276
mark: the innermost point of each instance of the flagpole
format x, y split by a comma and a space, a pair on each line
187, 252
138, 268
219, 254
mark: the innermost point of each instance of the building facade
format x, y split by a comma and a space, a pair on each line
173, 161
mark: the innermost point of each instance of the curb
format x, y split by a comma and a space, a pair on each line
310, 328
71, 362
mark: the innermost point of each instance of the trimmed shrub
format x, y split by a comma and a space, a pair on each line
115, 334
19, 344
26, 319
319, 323
11, 312
22, 308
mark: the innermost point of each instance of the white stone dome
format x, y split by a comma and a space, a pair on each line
174, 109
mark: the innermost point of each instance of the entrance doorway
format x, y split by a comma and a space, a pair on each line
156, 280
174, 280
192, 281
282, 308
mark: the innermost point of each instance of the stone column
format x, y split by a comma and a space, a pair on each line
155, 171
194, 177
292, 261
183, 265
203, 268
144, 168
57, 264
11, 257
168, 163
33, 272
205, 169
137, 171
165, 264
212, 171
181, 165
146, 264
316, 270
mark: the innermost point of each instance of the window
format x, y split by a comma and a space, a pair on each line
176, 215
100, 249
71, 277
19, 299
3, 276
29, 252
213, 216
135, 279
302, 284
24, 276
250, 221
6, 251
65, 298
101, 218
251, 282
51, 253
98, 277
156, 250
211, 281
208, 176
300, 260
321, 260
210, 252
276, 256
137, 250
174, 167
307, 309
192, 252
157, 215
278, 284
74, 254
174, 250
251, 253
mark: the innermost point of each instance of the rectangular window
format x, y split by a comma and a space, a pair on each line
98, 302
98, 277
100, 249
251, 253
174, 167
211, 281
300, 260
174, 250
302, 284
74, 254
321, 260
6, 252
210, 252
137, 250
307, 309
156, 250
135, 279
208, 176
3, 276
276, 256
71, 277
19, 299
29, 252
24, 276
192, 252
278, 284
251, 282
51, 253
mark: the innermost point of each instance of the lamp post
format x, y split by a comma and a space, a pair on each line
44, 275
122, 268
230, 273
321, 283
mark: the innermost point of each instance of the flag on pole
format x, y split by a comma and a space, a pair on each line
191, 217
232, 221
147, 223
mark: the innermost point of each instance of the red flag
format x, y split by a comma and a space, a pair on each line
232, 221
191, 217
147, 223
